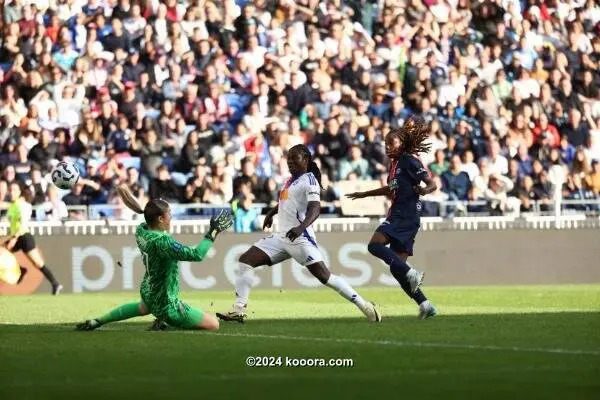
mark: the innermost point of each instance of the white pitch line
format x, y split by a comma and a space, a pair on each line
413, 344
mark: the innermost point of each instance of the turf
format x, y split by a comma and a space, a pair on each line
492, 342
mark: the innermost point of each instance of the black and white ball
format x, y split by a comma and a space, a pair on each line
65, 175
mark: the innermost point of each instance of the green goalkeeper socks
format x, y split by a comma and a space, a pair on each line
121, 313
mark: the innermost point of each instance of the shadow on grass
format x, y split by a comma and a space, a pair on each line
571, 323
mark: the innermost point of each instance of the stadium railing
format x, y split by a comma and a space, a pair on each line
324, 224
111, 219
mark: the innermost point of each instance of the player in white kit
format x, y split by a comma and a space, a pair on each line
299, 206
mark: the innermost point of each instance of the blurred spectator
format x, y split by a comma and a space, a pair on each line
297, 94
56, 209
152, 152
332, 145
196, 185
44, 152
543, 190
192, 153
576, 130
248, 176
469, 166
581, 165
354, 166
497, 162
269, 195
163, 187
245, 216
431, 201
127, 79
592, 180
373, 151
575, 190
455, 182
526, 194
82, 194
440, 165
497, 195
330, 197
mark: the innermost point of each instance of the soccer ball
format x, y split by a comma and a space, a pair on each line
65, 175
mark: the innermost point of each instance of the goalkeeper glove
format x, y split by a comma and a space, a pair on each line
218, 224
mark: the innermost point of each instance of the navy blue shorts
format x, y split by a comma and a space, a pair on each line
402, 235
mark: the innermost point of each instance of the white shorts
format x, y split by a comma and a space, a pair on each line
279, 248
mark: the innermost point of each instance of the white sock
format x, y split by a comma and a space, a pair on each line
425, 305
342, 287
243, 285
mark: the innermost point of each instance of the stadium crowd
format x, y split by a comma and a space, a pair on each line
197, 101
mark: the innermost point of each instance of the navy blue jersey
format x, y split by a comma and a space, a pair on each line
406, 173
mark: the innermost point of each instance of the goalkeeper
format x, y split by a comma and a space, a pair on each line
160, 253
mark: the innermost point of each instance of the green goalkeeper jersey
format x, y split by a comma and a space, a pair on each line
160, 254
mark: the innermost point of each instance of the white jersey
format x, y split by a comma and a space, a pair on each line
293, 203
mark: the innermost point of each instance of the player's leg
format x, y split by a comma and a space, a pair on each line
378, 246
339, 284
254, 257
31, 251
188, 317
267, 251
121, 313
426, 309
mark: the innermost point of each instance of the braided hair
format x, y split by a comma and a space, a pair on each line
305, 154
413, 136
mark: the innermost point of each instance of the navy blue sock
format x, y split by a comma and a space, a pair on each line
398, 266
419, 297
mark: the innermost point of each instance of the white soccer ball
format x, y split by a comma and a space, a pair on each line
65, 175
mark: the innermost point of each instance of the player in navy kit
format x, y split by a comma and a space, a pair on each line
403, 221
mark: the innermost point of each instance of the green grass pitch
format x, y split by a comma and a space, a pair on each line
535, 342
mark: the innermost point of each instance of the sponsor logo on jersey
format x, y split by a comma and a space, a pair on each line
284, 194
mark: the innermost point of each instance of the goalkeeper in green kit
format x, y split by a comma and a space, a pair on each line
160, 254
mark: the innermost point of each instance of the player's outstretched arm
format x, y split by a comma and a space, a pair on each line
129, 199
218, 224
174, 250
382, 191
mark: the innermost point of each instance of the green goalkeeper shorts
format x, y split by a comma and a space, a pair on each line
183, 316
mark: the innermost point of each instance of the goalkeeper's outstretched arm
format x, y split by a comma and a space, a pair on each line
180, 252
129, 199
173, 250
